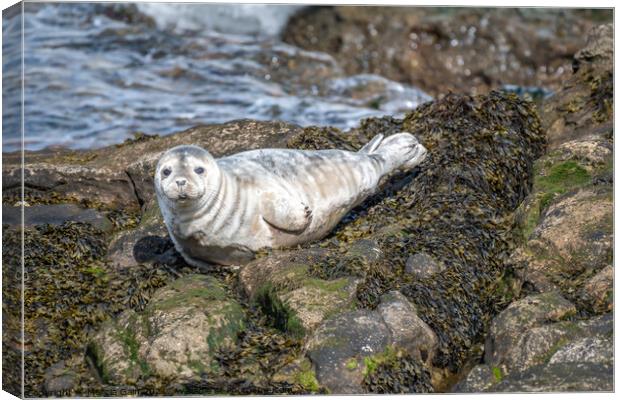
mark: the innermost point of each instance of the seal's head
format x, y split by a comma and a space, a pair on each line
183, 174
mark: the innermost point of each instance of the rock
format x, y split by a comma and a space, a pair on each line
598, 50
566, 220
591, 153
56, 214
59, 379
597, 350
285, 289
339, 348
583, 108
122, 176
422, 265
115, 350
407, 330
481, 377
445, 50
175, 337
566, 341
79, 182
521, 315
577, 226
598, 291
559, 377
564, 352
147, 243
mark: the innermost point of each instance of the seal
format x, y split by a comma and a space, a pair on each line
224, 210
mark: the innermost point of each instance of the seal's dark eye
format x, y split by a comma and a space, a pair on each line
166, 171
199, 170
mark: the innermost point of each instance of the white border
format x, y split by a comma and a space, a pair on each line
462, 3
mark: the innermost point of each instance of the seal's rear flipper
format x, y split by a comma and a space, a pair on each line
401, 150
371, 146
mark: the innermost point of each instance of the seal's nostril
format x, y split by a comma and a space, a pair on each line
181, 182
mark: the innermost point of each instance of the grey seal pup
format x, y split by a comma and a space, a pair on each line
224, 210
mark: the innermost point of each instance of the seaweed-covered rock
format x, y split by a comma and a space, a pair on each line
54, 215
456, 208
521, 315
121, 176
175, 337
397, 373
283, 286
443, 50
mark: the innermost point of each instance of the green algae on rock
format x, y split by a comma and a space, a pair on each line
285, 289
175, 337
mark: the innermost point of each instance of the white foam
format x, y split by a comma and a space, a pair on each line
248, 19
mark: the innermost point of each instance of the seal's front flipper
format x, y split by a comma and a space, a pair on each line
285, 213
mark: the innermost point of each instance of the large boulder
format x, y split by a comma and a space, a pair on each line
175, 337
528, 313
566, 353
349, 349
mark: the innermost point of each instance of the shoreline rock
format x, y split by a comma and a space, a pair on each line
442, 50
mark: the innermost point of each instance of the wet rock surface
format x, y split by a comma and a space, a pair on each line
443, 50
54, 215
